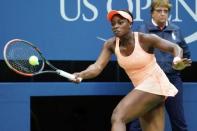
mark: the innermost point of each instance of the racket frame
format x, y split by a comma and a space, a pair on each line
22, 73
56, 70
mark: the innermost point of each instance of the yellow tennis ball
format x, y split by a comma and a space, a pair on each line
33, 60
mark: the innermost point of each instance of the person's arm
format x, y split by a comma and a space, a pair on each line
162, 44
155, 41
96, 68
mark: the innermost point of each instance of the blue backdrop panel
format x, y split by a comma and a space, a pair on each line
69, 29
15, 100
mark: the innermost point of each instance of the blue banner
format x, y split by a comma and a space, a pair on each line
75, 29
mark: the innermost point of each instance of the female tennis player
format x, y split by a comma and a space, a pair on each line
134, 53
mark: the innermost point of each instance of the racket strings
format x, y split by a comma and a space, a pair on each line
18, 55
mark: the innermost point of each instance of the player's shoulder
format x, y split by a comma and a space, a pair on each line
146, 35
148, 39
110, 43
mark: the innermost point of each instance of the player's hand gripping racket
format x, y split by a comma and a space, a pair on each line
26, 59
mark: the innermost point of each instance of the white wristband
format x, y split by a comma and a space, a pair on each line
176, 59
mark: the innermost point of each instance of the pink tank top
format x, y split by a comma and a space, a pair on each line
139, 64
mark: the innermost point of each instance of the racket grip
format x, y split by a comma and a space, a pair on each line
66, 74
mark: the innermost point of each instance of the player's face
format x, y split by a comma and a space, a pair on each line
120, 25
160, 15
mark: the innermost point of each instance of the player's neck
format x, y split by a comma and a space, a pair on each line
126, 38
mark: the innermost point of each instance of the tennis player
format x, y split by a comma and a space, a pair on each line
160, 26
135, 55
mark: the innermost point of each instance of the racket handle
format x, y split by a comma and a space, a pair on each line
68, 75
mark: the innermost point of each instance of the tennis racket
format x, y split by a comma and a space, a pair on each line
17, 54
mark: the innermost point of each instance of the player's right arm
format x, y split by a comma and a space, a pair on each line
96, 68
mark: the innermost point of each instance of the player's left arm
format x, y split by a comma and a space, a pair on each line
179, 63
